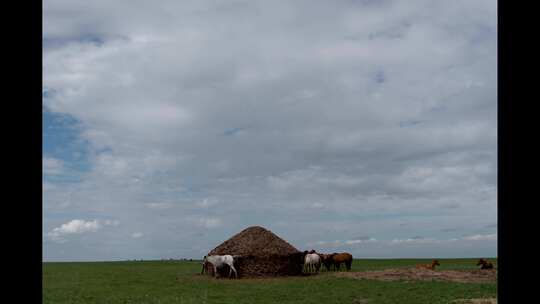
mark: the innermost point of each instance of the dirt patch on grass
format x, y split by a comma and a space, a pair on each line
360, 301
476, 301
413, 274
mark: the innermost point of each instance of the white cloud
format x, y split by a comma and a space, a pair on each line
137, 235
207, 203
401, 241
111, 222
353, 242
481, 237
342, 117
415, 241
73, 227
160, 205
342, 243
210, 222
78, 226
317, 205
52, 166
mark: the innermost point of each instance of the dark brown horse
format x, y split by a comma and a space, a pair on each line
485, 264
326, 260
429, 266
342, 258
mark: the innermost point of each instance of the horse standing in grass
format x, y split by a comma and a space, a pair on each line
219, 261
429, 266
485, 264
204, 266
312, 261
342, 258
326, 260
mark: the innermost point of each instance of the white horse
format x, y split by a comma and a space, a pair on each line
312, 261
218, 261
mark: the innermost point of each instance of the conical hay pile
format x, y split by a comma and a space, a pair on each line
262, 253
255, 241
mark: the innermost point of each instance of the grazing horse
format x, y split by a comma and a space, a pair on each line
219, 261
339, 258
429, 266
204, 266
326, 260
312, 261
485, 264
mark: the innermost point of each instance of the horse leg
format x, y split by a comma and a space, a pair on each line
215, 271
348, 265
233, 269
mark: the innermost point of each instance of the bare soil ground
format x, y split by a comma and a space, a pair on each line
413, 274
476, 301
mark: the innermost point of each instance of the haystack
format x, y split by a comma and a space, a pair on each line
262, 253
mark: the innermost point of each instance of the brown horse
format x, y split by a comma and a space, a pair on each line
326, 260
485, 264
429, 266
342, 258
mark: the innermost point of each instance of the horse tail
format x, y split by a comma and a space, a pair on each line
348, 264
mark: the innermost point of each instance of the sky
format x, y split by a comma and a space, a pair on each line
354, 125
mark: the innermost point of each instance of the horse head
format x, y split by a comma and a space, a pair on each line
237, 258
203, 265
436, 263
297, 257
481, 262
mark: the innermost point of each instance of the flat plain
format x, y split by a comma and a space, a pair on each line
175, 281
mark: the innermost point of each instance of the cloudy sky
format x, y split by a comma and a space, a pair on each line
366, 126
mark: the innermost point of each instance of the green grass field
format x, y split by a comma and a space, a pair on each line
180, 282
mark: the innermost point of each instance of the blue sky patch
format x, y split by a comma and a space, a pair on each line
233, 131
61, 140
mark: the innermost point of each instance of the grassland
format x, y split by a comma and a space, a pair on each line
179, 282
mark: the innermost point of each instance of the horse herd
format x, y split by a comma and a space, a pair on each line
484, 264
312, 262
